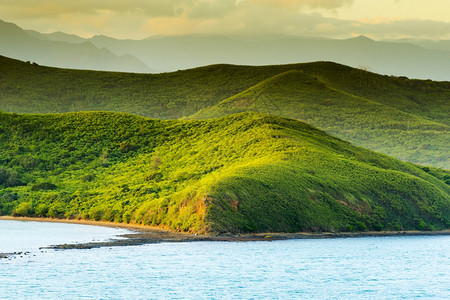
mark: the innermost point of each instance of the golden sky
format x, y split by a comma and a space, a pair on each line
137, 19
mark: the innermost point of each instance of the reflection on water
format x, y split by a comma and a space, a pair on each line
373, 267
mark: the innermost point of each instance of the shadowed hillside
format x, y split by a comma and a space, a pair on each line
241, 173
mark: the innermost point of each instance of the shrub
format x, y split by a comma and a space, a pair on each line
9, 178
96, 213
24, 209
42, 210
126, 217
88, 178
56, 210
44, 186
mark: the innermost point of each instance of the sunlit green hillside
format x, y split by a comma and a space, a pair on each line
404, 118
246, 172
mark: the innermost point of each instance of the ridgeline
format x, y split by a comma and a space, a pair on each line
404, 118
247, 172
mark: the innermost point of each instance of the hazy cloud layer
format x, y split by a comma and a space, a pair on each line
141, 18
204, 8
329, 4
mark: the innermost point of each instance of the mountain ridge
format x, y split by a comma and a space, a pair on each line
20, 44
381, 57
424, 59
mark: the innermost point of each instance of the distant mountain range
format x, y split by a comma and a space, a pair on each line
173, 53
429, 44
56, 50
423, 59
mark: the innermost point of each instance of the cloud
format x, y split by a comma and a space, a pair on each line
421, 29
378, 20
155, 8
141, 18
39, 9
327, 4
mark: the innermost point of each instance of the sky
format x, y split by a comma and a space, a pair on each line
138, 19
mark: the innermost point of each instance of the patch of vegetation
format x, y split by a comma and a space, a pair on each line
246, 172
43, 186
9, 178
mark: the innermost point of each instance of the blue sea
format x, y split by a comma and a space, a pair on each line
343, 268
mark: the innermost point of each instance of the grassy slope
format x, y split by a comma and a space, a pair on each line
425, 98
241, 173
416, 111
26, 88
365, 122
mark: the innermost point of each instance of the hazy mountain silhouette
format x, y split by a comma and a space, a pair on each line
173, 53
423, 59
55, 50
429, 44
57, 36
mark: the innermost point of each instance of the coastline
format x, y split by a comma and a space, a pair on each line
142, 234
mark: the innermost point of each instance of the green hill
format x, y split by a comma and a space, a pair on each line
404, 118
246, 172
368, 123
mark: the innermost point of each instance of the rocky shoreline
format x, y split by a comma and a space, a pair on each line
142, 238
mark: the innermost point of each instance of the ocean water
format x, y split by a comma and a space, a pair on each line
343, 268
20, 236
